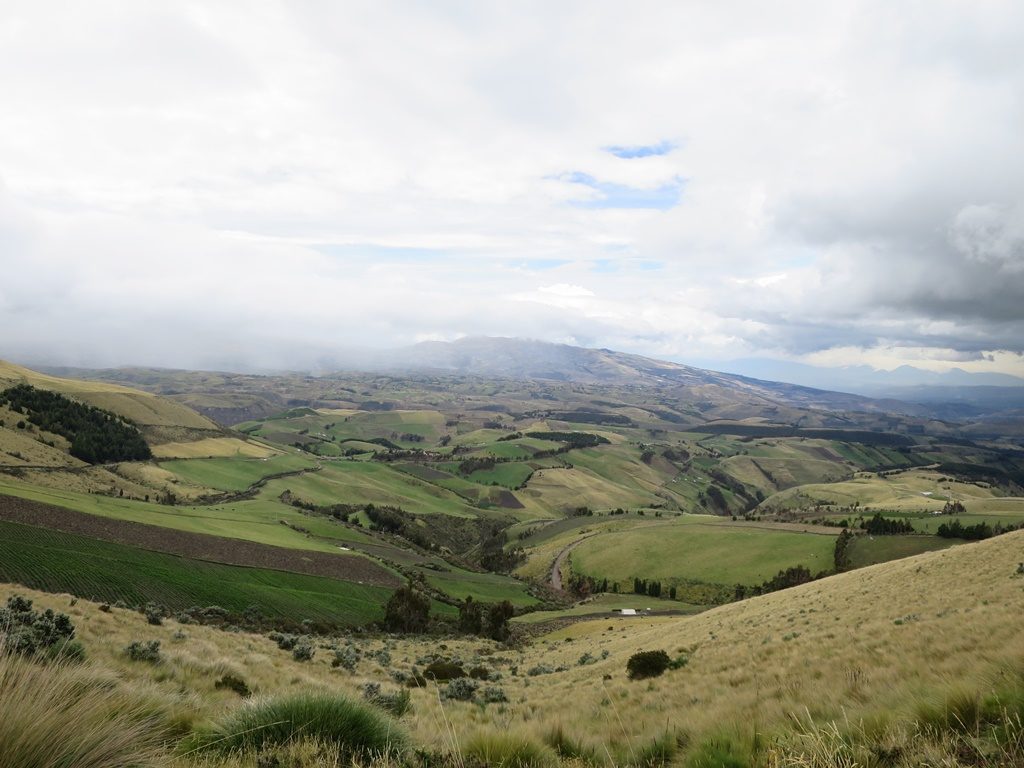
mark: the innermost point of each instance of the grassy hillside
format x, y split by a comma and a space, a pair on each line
920, 659
143, 408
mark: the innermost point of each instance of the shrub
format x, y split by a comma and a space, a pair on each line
407, 611
29, 633
234, 683
442, 670
461, 689
346, 657
647, 664
303, 651
139, 651
499, 750
493, 694
679, 661
284, 642
356, 729
58, 715
480, 673
155, 613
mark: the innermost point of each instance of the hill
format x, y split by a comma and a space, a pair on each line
921, 660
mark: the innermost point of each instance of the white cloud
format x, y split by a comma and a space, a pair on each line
269, 181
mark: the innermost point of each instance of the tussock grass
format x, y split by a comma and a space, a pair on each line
355, 729
501, 750
58, 715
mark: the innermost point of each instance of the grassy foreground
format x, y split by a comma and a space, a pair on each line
908, 663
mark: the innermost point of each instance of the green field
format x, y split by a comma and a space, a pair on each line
510, 474
868, 550
365, 482
604, 604
710, 552
483, 587
60, 562
256, 520
235, 474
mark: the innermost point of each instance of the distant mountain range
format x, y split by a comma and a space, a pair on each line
956, 394
984, 409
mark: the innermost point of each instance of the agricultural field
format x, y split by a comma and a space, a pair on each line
98, 570
869, 550
693, 548
237, 473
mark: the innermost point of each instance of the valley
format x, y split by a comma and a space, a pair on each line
709, 517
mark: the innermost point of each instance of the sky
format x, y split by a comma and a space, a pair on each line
263, 184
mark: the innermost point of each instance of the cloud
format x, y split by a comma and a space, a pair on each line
267, 183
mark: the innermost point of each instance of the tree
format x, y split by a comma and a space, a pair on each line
497, 619
407, 611
471, 618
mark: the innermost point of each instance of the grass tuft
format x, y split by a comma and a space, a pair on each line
499, 750
328, 718
56, 715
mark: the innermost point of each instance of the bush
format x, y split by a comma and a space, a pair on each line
443, 670
647, 664
499, 750
303, 650
462, 689
480, 673
233, 683
407, 611
139, 651
32, 633
493, 694
346, 658
330, 718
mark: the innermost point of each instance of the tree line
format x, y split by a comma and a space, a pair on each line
96, 436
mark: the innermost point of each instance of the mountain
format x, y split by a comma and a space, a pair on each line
951, 394
527, 359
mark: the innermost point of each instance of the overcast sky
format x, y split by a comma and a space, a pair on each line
229, 184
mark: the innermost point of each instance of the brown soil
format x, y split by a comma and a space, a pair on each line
196, 545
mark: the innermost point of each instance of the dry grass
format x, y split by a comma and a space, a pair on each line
870, 648
58, 715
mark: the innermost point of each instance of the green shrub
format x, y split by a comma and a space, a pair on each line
30, 633
499, 750
303, 650
461, 689
234, 683
646, 664
493, 694
346, 658
480, 673
140, 651
356, 729
443, 670
407, 611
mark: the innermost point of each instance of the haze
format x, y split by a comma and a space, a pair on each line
265, 184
